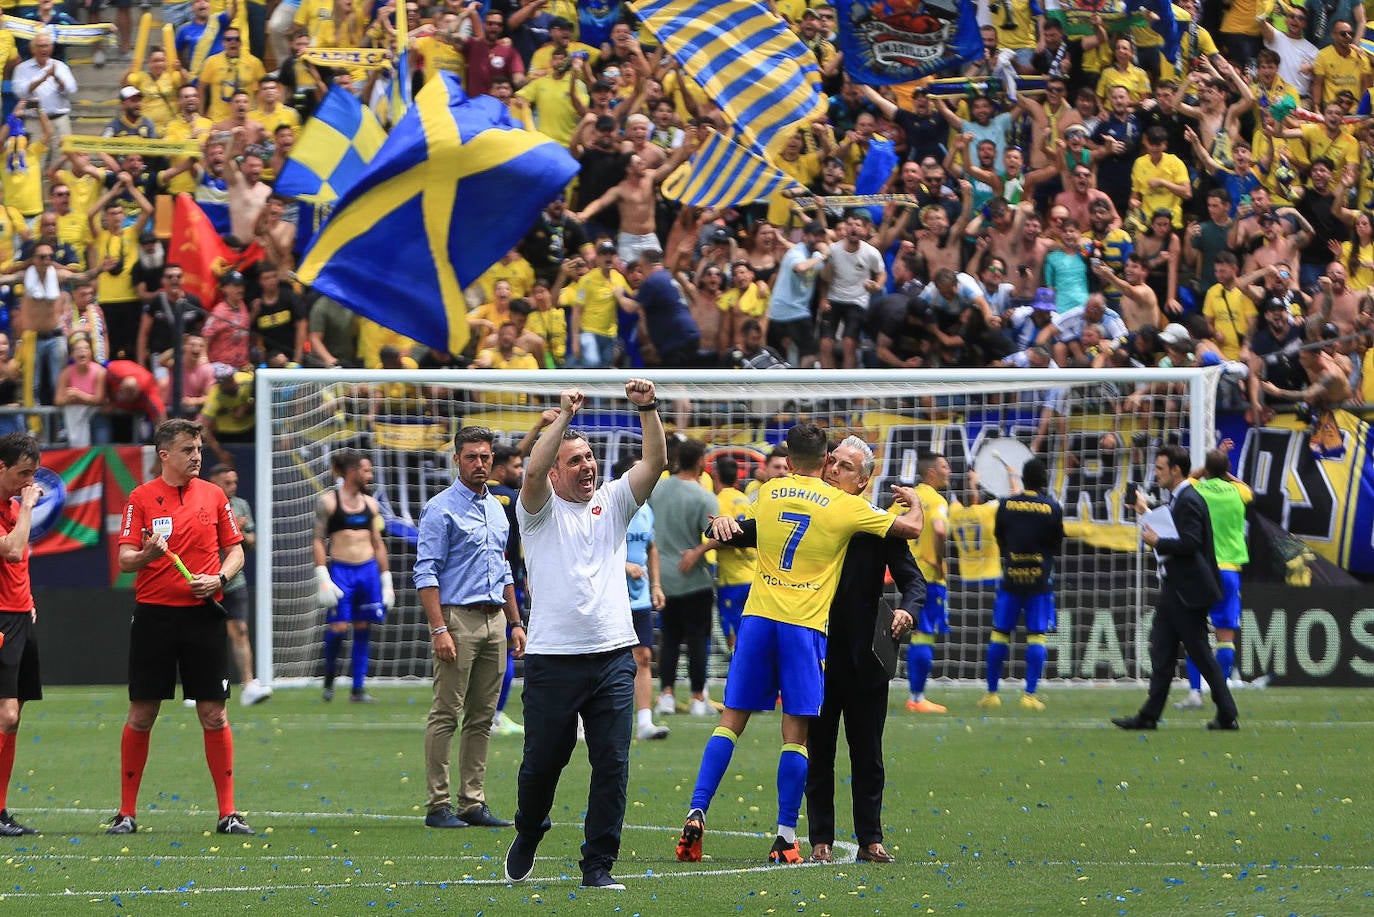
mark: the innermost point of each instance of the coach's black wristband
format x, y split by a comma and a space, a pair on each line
222, 581
646, 408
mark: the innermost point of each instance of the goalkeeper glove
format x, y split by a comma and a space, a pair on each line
388, 592
329, 592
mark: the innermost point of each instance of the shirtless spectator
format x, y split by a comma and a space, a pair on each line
636, 197
40, 314
248, 193
1139, 302
940, 243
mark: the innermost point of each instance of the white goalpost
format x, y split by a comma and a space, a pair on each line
981, 420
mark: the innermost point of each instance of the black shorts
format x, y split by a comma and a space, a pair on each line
800, 331
236, 604
644, 627
165, 641
844, 320
19, 676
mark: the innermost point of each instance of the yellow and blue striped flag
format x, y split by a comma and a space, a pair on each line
748, 62
724, 173
454, 188
334, 149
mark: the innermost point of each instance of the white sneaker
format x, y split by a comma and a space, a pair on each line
700, 708
507, 727
650, 733
1192, 702
666, 705
255, 692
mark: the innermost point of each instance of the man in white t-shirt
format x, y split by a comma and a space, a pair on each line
578, 657
1296, 53
853, 271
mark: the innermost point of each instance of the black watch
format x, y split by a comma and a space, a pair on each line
223, 581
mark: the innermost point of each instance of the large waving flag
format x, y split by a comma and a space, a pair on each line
334, 148
897, 41
748, 62
723, 173
419, 225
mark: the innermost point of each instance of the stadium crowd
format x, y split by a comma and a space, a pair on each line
1135, 212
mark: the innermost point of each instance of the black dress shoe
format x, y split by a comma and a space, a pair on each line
1219, 723
1136, 723
822, 853
482, 817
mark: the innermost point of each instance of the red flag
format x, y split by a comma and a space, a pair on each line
202, 254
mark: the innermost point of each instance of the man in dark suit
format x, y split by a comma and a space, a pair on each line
1189, 584
855, 681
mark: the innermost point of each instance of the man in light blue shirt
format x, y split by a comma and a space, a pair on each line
465, 584
791, 328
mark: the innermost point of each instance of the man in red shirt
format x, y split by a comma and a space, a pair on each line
19, 682
176, 626
228, 328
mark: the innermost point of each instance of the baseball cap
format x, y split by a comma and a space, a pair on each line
605, 246
147, 238
1044, 299
719, 235
1075, 129
1272, 303
233, 277
1175, 334
130, 92
602, 86
558, 22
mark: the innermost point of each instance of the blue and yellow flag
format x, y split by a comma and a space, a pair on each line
723, 173
333, 151
885, 42
454, 188
748, 62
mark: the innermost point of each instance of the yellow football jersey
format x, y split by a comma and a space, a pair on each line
735, 565
923, 549
804, 527
970, 528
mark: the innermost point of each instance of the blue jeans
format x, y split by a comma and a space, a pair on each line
600, 687
50, 358
598, 350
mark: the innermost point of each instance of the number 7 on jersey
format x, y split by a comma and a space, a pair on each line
799, 522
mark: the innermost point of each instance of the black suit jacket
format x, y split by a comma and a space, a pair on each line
1190, 574
854, 609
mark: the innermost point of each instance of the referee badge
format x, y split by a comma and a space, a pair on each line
162, 526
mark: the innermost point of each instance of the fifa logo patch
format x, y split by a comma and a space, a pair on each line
162, 526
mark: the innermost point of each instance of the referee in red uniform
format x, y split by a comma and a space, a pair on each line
177, 626
19, 680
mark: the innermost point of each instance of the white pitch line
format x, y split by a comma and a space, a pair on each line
540, 883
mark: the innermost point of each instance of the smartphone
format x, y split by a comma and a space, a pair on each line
1132, 491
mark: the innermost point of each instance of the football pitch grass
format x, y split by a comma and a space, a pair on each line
1009, 812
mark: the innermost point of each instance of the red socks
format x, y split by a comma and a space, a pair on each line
133, 757
219, 754
6, 765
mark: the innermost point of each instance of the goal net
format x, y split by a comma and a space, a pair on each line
1096, 437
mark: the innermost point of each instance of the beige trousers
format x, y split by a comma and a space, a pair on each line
465, 689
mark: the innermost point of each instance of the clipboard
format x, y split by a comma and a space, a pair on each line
884, 647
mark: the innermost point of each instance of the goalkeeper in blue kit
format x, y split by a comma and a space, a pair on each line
1029, 528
